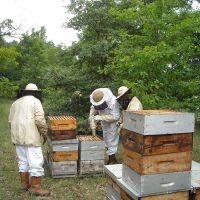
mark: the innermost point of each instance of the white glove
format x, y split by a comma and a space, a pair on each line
92, 122
97, 118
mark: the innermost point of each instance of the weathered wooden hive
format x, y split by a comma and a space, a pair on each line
91, 154
62, 127
62, 146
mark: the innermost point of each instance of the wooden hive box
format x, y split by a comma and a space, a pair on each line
63, 150
156, 144
157, 164
195, 181
57, 123
91, 154
147, 185
158, 122
114, 174
62, 169
170, 196
91, 147
62, 134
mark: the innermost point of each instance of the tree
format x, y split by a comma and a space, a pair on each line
8, 29
159, 53
8, 56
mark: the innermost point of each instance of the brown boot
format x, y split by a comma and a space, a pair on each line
112, 160
24, 176
36, 187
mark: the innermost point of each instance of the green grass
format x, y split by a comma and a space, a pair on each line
88, 188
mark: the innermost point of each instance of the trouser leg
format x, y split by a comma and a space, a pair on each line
23, 166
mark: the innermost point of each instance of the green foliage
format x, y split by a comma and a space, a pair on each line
7, 58
150, 46
7, 88
159, 53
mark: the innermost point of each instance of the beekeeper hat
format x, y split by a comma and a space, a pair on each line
97, 95
121, 91
32, 87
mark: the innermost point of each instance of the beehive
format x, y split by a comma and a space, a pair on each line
157, 154
91, 154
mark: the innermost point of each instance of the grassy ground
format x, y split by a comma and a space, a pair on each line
89, 188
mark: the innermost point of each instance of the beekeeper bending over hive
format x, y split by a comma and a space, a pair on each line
105, 108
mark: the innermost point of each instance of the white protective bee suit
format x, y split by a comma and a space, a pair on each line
108, 117
133, 105
25, 113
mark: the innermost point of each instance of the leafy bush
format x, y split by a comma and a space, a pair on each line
7, 88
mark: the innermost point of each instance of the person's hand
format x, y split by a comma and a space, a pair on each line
97, 118
118, 123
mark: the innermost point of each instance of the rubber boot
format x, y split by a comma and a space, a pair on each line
112, 160
36, 187
24, 176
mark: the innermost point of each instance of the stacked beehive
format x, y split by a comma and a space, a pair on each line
62, 146
195, 181
91, 155
157, 155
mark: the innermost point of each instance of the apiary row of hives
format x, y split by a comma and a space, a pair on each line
71, 155
157, 157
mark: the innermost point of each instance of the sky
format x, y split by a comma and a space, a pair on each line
36, 13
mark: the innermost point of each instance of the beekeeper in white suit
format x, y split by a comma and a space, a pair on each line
127, 103
28, 127
105, 108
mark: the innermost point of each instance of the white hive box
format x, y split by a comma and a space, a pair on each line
111, 194
128, 193
113, 172
158, 122
195, 181
146, 185
91, 147
63, 145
